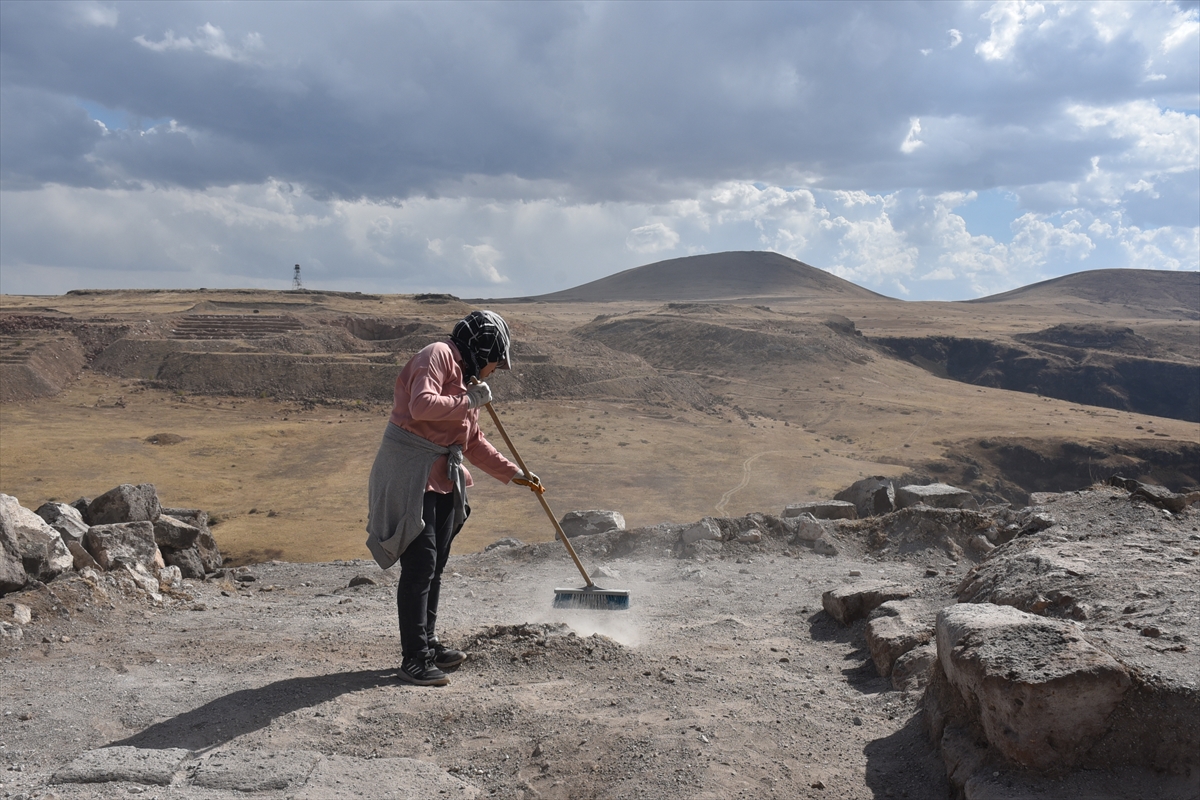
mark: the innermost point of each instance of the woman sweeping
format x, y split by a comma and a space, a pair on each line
418, 485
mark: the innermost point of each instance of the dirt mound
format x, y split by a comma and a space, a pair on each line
709, 277
1161, 292
543, 647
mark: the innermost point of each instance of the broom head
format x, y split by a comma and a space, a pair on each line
592, 598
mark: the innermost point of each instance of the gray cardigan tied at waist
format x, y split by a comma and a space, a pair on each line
396, 491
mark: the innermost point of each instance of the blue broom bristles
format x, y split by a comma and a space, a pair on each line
592, 598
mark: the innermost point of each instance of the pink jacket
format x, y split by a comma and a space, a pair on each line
431, 401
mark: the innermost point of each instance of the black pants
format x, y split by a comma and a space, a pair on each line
421, 566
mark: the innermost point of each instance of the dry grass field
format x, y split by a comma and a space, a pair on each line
750, 404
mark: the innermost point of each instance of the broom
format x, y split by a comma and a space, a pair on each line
591, 596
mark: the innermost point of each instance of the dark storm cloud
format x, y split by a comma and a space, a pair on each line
603, 101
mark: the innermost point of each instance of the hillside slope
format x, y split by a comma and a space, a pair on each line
712, 276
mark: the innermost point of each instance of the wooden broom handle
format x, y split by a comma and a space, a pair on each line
540, 491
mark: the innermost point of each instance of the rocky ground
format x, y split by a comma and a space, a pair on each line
726, 678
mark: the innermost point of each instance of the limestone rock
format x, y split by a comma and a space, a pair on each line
42, 551
127, 764
870, 496
206, 547
122, 543
1040, 692
12, 571
897, 627
125, 503
750, 537
587, 523
911, 670
82, 558
142, 578
22, 614
705, 529
171, 576
853, 601
808, 530
823, 509
173, 534
188, 561
65, 519
936, 495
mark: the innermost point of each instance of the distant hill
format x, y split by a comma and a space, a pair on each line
713, 276
1162, 290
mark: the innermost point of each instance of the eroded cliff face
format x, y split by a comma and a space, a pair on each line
1128, 377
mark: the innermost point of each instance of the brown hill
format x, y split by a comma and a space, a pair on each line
713, 276
1164, 291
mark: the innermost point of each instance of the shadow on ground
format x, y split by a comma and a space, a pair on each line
228, 717
904, 765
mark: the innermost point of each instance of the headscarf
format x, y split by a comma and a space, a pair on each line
481, 338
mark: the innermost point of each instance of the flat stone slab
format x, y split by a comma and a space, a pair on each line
856, 600
937, 495
824, 509
345, 777
129, 764
255, 771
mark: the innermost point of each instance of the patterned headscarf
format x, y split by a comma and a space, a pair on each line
482, 337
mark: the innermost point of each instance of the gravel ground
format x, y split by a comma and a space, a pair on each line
724, 679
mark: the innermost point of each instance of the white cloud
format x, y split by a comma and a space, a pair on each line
483, 260
1185, 26
1007, 18
955, 38
911, 142
652, 238
96, 15
210, 40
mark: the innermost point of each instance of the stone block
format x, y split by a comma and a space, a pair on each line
936, 495
1041, 693
588, 523
337, 777
896, 627
122, 543
125, 503
807, 528
823, 509
12, 569
173, 534
82, 558
65, 519
206, 547
705, 529
240, 771
43, 553
188, 561
870, 496
911, 670
854, 601
124, 764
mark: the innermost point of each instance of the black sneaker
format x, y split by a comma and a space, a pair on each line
421, 672
446, 657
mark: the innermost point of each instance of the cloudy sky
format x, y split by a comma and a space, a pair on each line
925, 150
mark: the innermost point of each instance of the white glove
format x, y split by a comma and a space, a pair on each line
479, 394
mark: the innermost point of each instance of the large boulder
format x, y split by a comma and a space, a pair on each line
704, 530
870, 496
188, 562
935, 495
44, 555
173, 534
123, 543
65, 519
587, 523
1039, 691
12, 570
807, 529
854, 601
126, 503
823, 509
